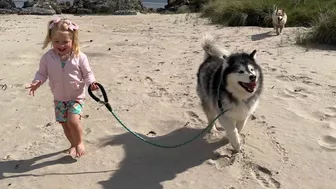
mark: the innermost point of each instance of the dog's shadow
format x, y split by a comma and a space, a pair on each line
146, 166
21, 167
261, 36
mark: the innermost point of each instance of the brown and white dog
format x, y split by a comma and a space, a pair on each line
279, 19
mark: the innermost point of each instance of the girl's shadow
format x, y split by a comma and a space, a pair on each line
22, 166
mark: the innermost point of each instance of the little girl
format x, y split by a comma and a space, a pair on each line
68, 71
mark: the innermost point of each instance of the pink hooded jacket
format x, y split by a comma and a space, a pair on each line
66, 83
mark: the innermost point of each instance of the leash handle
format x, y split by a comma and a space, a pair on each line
105, 102
102, 90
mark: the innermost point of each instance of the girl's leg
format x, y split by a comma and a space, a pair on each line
60, 114
68, 135
76, 130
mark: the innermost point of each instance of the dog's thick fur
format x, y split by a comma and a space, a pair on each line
220, 77
279, 19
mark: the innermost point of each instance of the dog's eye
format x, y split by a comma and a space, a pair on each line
252, 70
241, 71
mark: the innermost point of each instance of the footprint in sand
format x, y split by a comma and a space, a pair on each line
194, 117
149, 80
188, 103
303, 78
158, 92
328, 141
325, 114
330, 111
296, 93
263, 176
269, 68
270, 131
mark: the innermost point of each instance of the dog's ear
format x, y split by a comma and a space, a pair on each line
253, 54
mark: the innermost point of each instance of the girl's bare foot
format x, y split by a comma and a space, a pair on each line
80, 150
71, 150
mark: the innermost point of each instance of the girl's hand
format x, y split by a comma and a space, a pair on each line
94, 86
33, 86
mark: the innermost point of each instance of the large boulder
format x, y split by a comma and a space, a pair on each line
185, 5
107, 7
36, 11
41, 7
7, 4
65, 7
7, 7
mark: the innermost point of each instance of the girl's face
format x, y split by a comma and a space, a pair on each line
62, 43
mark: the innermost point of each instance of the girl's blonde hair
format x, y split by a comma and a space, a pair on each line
63, 25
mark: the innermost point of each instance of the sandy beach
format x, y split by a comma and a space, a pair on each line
148, 65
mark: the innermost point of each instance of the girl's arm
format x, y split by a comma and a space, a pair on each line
88, 75
42, 73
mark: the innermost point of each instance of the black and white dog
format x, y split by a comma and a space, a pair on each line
233, 81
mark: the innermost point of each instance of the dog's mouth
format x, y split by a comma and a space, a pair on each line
249, 87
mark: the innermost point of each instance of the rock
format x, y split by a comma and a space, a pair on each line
125, 12
27, 4
7, 4
65, 7
119, 7
181, 6
36, 11
9, 11
41, 7
8, 7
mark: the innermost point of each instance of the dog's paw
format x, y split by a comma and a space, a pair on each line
237, 147
214, 133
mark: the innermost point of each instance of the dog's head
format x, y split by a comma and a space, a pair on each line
280, 13
243, 75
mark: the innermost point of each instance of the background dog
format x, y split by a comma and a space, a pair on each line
234, 79
279, 19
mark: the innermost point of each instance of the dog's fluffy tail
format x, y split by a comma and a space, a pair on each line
275, 7
211, 48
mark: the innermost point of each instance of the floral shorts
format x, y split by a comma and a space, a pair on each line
63, 108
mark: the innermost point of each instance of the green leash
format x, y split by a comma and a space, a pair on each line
108, 106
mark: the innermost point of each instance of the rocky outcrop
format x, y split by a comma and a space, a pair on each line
7, 7
107, 7
184, 5
7, 4
65, 7
33, 7
41, 7
50, 7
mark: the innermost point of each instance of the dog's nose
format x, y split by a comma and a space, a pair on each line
253, 77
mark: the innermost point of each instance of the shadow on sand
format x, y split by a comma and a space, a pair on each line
21, 167
145, 166
262, 36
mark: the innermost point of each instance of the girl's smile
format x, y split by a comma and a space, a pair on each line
62, 43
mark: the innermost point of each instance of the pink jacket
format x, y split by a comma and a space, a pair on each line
66, 83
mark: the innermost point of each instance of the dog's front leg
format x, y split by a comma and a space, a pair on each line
231, 131
281, 27
241, 124
211, 117
277, 30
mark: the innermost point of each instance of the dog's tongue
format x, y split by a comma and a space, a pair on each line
252, 84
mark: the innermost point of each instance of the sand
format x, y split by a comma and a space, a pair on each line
148, 65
